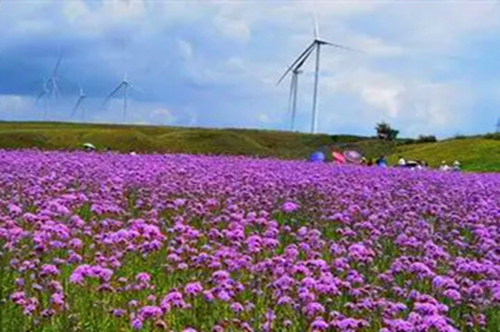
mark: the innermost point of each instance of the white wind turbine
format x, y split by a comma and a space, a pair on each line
43, 94
295, 66
79, 104
125, 84
55, 92
50, 88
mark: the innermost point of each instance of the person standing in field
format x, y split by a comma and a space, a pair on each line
382, 161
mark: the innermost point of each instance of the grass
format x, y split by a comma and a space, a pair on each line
148, 139
475, 153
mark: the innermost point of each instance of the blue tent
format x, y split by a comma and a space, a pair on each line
318, 157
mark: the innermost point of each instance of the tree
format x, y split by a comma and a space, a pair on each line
426, 139
385, 132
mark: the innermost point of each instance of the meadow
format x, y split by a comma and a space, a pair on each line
478, 154
110, 242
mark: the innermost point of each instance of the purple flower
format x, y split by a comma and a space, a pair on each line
143, 278
49, 270
150, 312
193, 288
17, 297
313, 309
452, 295
237, 307
57, 299
174, 298
136, 324
289, 207
118, 312
319, 325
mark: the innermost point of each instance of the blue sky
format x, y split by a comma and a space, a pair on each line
431, 67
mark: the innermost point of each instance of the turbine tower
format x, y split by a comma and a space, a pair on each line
125, 84
79, 104
498, 125
315, 46
292, 100
43, 94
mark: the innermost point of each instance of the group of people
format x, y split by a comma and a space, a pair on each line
412, 164
381, 161
454, 167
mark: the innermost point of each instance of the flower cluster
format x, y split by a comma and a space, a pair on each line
108, 242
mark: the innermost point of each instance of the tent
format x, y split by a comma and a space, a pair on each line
411, 163
89, 146
338, 158
318, 156
353, 156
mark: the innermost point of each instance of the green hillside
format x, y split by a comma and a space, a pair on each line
69, 136
475, 154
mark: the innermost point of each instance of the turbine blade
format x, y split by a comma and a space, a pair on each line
40, 95
58, 63
301, 63
79, 101
341, 46
135, 88
315, 18
113, 93
306, 54
80, 87
55, 87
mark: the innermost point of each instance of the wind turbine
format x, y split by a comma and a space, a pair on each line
315, 46
49, 87
125, 84
79, 104
294, 87
55, 92
44, 93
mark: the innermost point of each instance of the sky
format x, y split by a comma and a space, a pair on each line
427, 67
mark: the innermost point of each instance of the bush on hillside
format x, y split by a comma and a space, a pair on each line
426, 139
495, 136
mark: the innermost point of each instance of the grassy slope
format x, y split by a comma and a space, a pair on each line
186, 140
476, 154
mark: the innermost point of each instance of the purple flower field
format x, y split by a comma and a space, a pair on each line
102, 242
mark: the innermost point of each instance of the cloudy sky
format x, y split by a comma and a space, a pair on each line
429, 67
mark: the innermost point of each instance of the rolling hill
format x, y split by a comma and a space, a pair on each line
475, 153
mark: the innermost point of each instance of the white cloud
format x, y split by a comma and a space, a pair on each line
376, 47
235, 64
75, 10
14, 103
162, 116
234, 29
416, 105
264, 118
